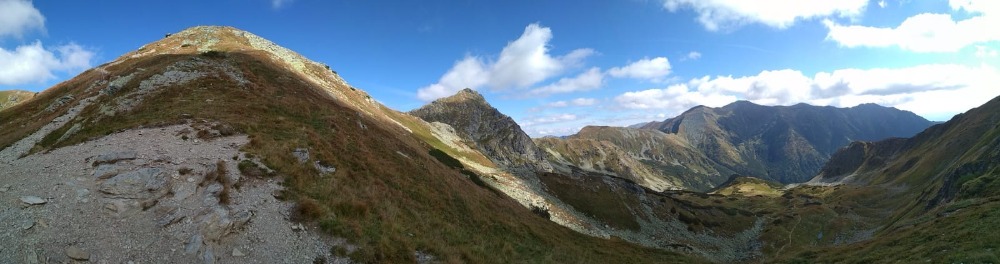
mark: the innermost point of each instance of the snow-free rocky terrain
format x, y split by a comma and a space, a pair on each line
151, 195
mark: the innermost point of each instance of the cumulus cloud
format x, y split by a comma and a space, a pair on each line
588, 80
18, 17
648, 69
33, 63
522, 63
470, 72
716, 15
935, 90
926, 32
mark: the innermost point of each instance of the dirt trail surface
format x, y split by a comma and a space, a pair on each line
148, 196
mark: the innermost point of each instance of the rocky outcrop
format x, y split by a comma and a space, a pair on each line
495, 134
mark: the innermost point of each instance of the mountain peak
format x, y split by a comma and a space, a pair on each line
468, 92
464, 95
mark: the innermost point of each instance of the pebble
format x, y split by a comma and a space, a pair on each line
33, 200
27, 224
76, 253
5, 188
238, 253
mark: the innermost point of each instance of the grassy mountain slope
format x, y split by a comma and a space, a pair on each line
943, 183
388, 195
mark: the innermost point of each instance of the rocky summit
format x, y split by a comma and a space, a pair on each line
492, 132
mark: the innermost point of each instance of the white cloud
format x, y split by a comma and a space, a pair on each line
549, 119
936, 90
19, 16
985, 52
466, 73
715, 15
694, 55
675, 99
574, 102
882, 4
649, 69
279, 3
583, 102
33, 63
588, 80
522, 63
927, 32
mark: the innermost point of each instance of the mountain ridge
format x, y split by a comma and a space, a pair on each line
755, 140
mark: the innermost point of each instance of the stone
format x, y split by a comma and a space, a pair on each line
323, 169
33, 200
5, 188
208, 257
105, 171
111, 207
193, 244
238, 253
76, 253
32, 258
135, 184
241, 218
27, 224
301, 154
114, 157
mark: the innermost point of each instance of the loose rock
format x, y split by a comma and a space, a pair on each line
113, 157
33, 200
238, 253
76, 253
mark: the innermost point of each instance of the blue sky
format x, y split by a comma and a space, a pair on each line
556, 66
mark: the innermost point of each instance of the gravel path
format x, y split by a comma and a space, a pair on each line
138, 197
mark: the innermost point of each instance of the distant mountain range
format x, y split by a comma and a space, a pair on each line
787, 144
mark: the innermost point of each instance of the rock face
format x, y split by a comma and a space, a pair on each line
493, 133
784, 143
